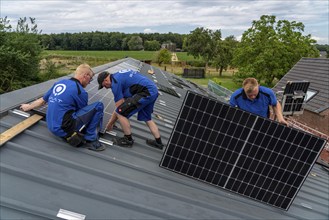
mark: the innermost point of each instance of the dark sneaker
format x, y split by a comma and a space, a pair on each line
123, 142
153, 143
95, 146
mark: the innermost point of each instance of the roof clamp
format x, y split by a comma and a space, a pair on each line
21, 113
104, 141
113, 133
306, 206
65, 214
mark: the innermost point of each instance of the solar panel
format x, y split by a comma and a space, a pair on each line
293, 99
41, 110
238, 151
293, 86
176, 84
167, 90
180, 81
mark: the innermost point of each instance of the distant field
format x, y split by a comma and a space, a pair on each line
67, 61
113, 55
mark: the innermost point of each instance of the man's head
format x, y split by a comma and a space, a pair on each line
84, 74
104, 80
251, 88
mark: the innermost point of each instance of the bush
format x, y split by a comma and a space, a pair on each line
20, 54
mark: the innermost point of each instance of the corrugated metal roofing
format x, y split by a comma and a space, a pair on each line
316, 71
40, 174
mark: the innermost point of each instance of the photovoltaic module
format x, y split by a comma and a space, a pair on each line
239, 151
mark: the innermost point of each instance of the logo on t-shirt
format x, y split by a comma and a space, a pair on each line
59, 89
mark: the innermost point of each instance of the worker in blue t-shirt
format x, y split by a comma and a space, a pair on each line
257, 99
133, 93
68, 114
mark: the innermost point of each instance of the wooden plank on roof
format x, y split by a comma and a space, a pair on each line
20, 127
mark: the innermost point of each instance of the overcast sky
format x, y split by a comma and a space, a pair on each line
177, 16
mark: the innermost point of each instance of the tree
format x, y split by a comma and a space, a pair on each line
24, 27
116, 41
224, 54
96, 42
269, 49
152, 45
202, 43
163, 56
135, 43
20, 52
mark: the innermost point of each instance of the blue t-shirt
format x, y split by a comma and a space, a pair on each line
259, 106
127, 83
65, 95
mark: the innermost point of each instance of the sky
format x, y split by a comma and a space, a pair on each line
162, 16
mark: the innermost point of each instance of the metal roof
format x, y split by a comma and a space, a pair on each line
316, 71
40, 174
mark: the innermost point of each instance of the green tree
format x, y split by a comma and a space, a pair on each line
269, 49
202, 43
116, 41
20, 52
163, 56
135, 43
96, 42
224, 54
153, 45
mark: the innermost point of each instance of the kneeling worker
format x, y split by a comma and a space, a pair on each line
133, 93
68, 112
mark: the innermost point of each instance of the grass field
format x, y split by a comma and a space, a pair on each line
106, 55
67, 61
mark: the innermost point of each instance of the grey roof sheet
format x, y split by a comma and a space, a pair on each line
40, 174
316, 71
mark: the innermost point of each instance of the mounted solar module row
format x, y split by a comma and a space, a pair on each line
176, 84
240, 152
168, 90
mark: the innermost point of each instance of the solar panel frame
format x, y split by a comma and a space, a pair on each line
176, 84
167, 90
226, 147
293, 99
293, 86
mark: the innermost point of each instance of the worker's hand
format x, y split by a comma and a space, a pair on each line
282, 121
26, 107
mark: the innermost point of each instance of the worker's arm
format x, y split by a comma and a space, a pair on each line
35, 104
278, 113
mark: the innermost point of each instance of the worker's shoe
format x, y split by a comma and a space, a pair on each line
153, 143
95, 145
123, 142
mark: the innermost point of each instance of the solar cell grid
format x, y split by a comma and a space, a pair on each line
293, 86
294, 97
241, 152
